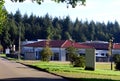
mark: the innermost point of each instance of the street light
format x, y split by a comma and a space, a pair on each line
19, 39
19, 43
110, 51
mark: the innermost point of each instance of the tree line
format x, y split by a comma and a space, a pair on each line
35, 27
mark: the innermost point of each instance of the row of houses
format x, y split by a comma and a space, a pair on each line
31, 50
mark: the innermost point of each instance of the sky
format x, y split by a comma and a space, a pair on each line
96, 10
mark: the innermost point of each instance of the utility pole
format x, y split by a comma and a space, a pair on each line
110, 51
19, 43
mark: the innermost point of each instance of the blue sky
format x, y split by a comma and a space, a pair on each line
96, 10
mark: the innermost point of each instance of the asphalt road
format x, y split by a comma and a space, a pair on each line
12, 71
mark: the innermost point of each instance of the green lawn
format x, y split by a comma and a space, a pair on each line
102, 72
4, 56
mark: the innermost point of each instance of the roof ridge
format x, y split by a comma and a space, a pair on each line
64, 43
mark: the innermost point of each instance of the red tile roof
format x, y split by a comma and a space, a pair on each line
116, 46
58, 43
102, 46
69, 43
98, 46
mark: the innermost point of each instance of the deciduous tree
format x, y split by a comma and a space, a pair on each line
73, 3
75, 59
46, 53
2, 15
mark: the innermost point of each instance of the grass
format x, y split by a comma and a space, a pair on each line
104, 65
3, 55
9, 58
102, 72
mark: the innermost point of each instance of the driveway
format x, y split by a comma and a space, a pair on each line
12, 71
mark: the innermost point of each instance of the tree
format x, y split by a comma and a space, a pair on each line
57, 29
73, 3
3, 11
75, 59
5, 37
47, 27
3, 14
46, 53
71, 51
13, 31
18, 17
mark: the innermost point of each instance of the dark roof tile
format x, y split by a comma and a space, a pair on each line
116, 46
58, 43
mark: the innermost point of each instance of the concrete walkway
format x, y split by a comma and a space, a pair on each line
12, 71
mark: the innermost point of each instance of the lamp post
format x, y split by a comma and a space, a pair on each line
19, 48
110, 51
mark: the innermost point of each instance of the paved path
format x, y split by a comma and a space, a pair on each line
12, 71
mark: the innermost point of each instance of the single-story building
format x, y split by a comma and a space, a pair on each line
102, 49
116, 48
31, 51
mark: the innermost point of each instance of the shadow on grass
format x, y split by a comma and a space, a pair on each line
90, 79
31, 79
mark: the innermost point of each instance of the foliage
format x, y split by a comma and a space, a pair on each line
79, 61
71, 51
33, 27
46, 54
1, 48
116, 59
3, 14
75, 59
73, 3
117, 67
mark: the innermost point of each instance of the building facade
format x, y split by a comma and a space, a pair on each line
102, 50
31, 51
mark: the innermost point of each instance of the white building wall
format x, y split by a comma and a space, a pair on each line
27, 49
101, 53
60, 51
81, 51
62, 54
116, 51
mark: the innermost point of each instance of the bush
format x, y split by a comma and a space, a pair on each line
46, 54
117, 67
79, 61
116, 59
75, 59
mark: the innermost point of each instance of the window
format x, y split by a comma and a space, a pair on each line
82, 54
56, 56
96, 53
102, 54
107, 55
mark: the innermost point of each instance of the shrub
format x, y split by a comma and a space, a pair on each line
75, 59
116, 59
46, 54
79, 61
117, 67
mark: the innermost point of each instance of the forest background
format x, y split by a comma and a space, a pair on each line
35, 27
